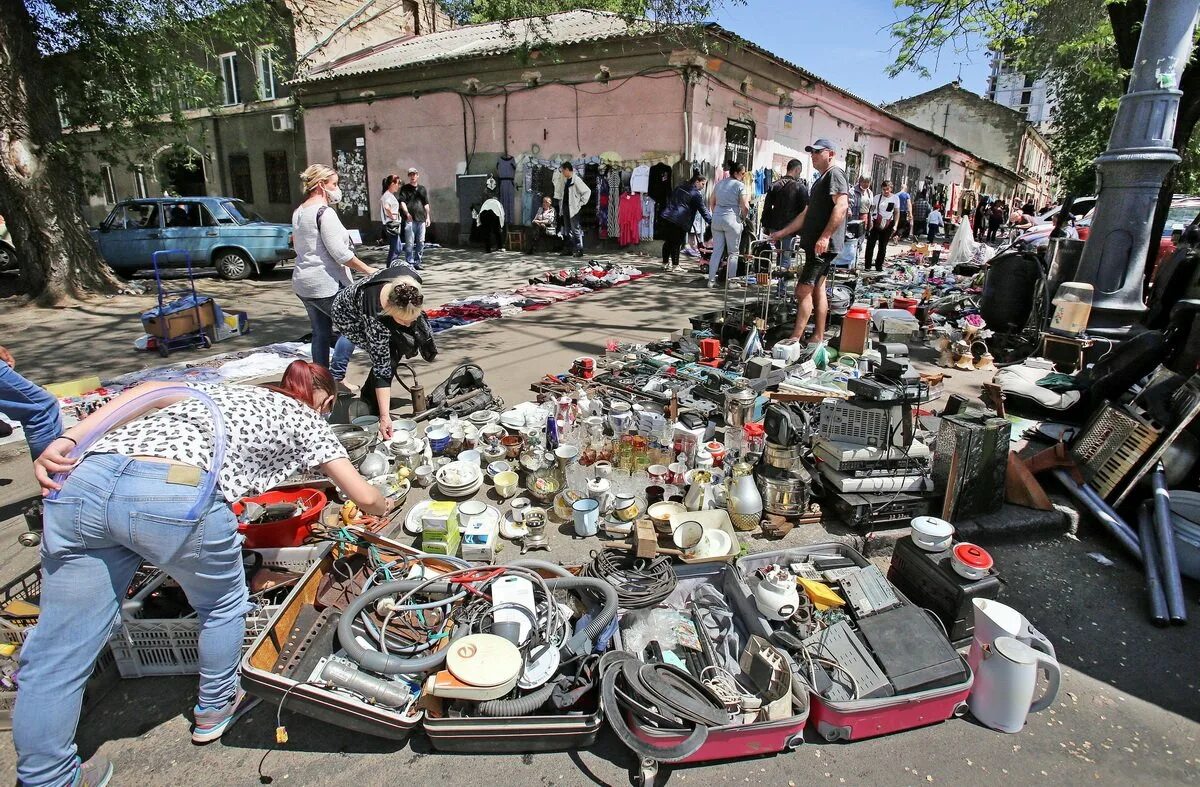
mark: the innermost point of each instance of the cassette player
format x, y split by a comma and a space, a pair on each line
873, 512
863, 461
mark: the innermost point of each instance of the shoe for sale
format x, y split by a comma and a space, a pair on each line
212, 724
712, 284
96, 772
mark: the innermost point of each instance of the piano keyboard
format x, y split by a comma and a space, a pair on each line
1113, 443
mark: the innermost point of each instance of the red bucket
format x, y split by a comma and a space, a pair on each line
908, 304
286, 532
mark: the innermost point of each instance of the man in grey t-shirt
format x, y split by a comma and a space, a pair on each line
822, 228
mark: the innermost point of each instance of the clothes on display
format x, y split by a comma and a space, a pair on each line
506, 171
639, 180
630, 218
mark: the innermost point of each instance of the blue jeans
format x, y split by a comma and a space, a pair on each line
414, 240
114, 512
394, 243
572, 232
36, 409
727, 238
320, 318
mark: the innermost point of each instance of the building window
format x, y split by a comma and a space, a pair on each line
1026, 97
853, 163
739, 143
139, 184
879, 167
266, 74
1028, 81
278, 182
229, 79
412, 14
239, 177
107, 185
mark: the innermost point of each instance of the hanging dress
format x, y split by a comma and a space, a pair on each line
630, 214
506, 171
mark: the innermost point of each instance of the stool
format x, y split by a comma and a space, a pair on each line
514, 239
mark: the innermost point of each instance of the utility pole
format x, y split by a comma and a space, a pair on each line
1131, 172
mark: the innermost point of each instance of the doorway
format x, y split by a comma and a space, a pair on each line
181, 173
349, 145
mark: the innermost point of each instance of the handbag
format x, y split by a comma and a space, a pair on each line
393, 227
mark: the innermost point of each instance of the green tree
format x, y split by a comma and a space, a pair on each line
1085, 48
126, 68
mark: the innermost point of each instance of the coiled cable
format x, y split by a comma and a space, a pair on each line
639, 582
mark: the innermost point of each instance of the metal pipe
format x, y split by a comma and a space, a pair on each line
1154, 588
1166, 546
1103, 513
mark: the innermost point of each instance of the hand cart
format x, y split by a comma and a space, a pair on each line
756, 308
193, 332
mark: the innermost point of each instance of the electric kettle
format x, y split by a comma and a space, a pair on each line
994, 620
1002, 696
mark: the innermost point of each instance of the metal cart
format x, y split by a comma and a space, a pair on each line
167, 340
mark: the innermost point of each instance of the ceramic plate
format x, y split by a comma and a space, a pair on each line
412, 523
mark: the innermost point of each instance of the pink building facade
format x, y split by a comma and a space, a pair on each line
452, 103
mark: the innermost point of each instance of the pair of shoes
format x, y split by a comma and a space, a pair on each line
579, 253
96, 772
212, 724
711, 284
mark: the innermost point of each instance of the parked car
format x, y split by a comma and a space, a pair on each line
218, 231
1183, 211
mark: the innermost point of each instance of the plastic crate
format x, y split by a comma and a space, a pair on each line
27, 587
155, 647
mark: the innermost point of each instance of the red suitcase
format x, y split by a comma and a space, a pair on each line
858, 719
733, 741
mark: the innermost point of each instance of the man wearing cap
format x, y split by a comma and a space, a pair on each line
416, 199
822, 228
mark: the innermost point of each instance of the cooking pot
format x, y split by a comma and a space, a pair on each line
781, 457
932, 534
783, 496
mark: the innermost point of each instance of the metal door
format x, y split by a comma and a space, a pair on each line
897, 177
350, 160
131, 233
469, 189
878, 172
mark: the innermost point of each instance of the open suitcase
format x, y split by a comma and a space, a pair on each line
732, 741
279, 660
863, 718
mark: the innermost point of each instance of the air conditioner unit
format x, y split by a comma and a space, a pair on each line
898, 147
943, 162
282, 121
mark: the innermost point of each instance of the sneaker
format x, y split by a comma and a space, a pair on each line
712, 284
96, 772
212, 724
691, 252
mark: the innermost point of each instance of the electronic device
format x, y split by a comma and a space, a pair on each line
868, 511
710, 352
868, 591
346, 675
862, 461
929, 581
860, 423
876, 485
510, 595
874, 390
912, 649
478, 667
839, 644
892, 349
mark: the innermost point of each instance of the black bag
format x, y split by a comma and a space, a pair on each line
393, 227
465, 379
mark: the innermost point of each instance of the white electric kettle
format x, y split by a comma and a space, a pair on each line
1002, 695
994, 620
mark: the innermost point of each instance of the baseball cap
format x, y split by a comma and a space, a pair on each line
820, 144
413, 171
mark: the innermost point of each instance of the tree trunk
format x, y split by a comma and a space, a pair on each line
39, 195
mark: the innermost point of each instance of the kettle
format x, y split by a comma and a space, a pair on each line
994, 620
1002, 695
777, 596
739, 404
700, 497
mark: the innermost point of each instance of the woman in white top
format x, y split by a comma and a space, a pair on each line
389, 217
885, 209
730, 207
157, 488
323, 253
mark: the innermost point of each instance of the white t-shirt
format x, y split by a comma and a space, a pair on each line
268, 437
388, 203
640, 182
885, 208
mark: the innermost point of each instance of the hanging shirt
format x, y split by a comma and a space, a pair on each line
639, 182
659, 187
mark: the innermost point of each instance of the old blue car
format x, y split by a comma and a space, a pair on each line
218, 231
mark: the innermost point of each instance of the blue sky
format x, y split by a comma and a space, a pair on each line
847, 43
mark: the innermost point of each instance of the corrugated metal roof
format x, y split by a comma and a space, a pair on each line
491, 38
